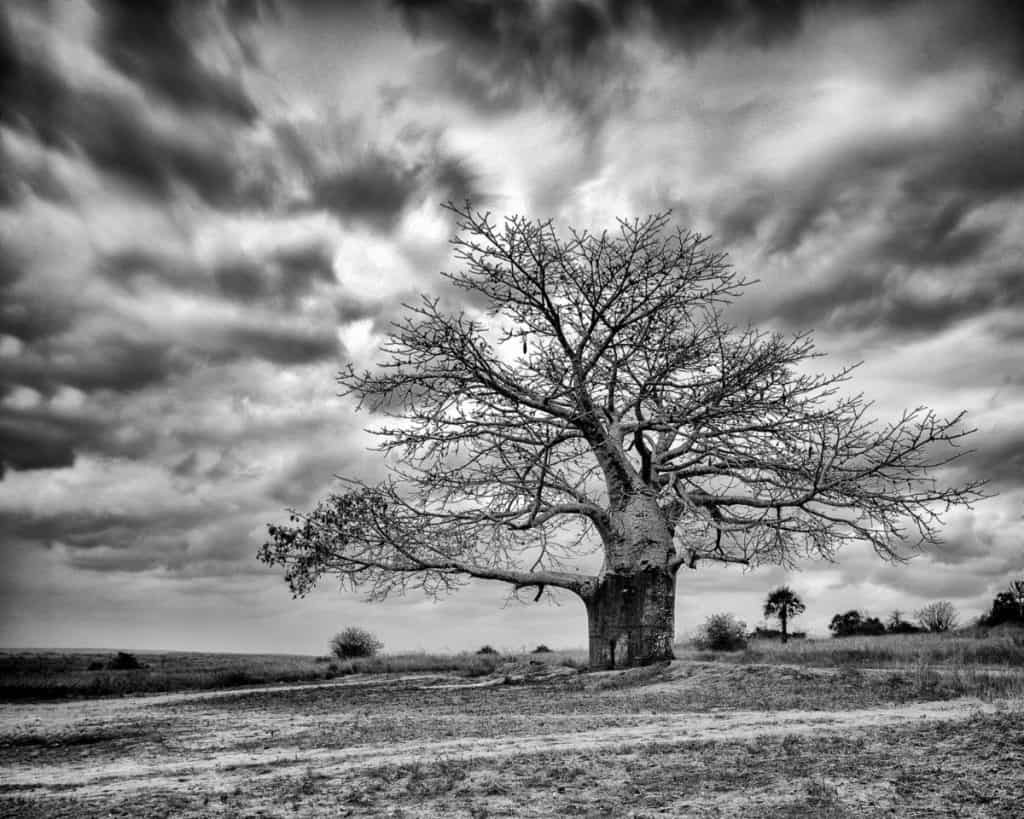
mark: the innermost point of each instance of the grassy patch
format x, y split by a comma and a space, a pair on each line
43, 675
996, 648
36, 675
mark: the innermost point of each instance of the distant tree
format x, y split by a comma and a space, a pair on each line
940, 616
541, 649
897, 625
487, 650
721, 632
1008, 606
845, 625
354, 642
853, 623
783, 604
592, 395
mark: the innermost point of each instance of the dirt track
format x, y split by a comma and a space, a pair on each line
140, 750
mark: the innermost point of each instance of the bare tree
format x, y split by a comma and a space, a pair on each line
594, 400
783, 603
940, 616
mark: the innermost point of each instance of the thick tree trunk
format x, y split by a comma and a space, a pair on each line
632, 618
785, 634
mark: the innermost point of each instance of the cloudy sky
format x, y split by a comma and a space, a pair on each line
206, 209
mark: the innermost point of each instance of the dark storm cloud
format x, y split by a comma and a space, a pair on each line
276, 276
349, 308
105, 540
694, 25
499, 53
280, 345
115, 131
875, 298
133, 266
993, 29
112, 360
375, 188
279, 278
997, 458
942, 176
32, 443
43, 438
25, 314
936, 216
125, 363
375, 191
156, 43
309, 475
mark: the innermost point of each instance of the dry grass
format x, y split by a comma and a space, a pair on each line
59, 674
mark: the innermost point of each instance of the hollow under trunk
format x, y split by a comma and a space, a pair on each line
631, 617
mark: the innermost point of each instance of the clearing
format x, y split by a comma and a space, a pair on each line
685, 739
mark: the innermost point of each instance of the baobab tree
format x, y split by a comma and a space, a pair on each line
591, 400
784, 604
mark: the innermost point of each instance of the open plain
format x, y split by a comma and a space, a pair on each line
533, 738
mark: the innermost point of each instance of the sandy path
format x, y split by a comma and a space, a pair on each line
217, 766
15, 718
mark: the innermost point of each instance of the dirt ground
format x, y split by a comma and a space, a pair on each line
690, 739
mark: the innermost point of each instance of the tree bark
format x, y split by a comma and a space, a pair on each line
782, 619
631, 617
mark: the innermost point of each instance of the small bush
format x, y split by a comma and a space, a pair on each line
354, 642
487, 650
124, 661
541, 649
721, 632
853, 624
95, 665
938, 617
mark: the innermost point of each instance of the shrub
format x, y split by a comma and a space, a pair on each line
1007, 607
123, 661
762, 633
853, 623
721, 632
541, 649
487, 650
354, 642
95, 665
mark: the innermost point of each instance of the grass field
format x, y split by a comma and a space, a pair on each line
1000, 647
27, 675
35, 675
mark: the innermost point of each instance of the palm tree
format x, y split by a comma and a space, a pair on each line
783, 603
